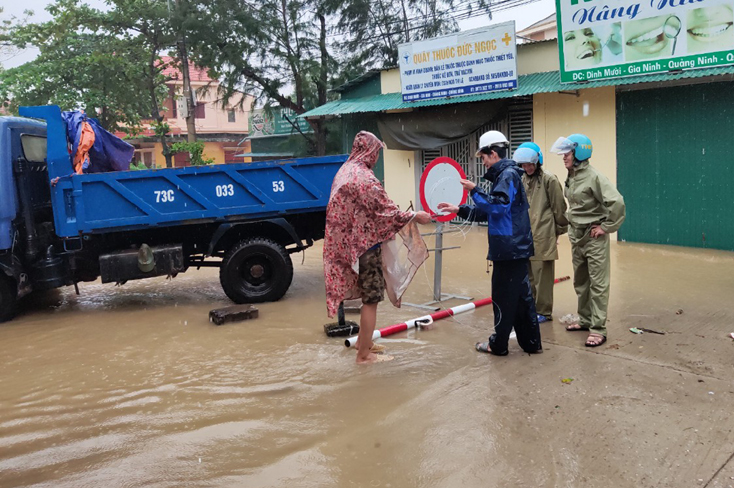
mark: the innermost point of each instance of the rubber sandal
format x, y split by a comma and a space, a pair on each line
570, 328
542, 319
378, 348
596, 344
484, 347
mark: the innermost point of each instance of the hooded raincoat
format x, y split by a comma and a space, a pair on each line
547, 213
360, 215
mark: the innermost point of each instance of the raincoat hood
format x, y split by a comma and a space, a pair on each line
366, 149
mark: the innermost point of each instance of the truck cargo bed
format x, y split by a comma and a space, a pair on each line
128, 200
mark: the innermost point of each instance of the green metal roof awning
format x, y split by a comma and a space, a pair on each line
547, 82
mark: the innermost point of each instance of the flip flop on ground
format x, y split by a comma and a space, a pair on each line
575, 328
484, 347
595, 340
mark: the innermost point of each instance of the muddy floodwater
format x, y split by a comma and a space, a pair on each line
133, 387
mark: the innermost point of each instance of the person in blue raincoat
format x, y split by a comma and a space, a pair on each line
505, 209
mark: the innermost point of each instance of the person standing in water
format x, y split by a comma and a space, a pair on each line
359, 217
505, 209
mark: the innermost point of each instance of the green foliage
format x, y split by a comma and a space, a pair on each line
106, 62
195, 150
139, 166
161, 129
371, 30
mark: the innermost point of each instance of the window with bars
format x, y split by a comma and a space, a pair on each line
231, 116
521, 126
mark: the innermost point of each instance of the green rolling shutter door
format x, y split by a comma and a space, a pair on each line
675, 165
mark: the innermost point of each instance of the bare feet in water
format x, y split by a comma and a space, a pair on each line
376, 348
374, 358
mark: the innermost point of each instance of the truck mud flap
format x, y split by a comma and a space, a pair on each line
127, 265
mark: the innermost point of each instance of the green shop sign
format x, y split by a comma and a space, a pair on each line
276, 122
601, 39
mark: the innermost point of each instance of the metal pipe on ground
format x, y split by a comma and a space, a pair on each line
424, 320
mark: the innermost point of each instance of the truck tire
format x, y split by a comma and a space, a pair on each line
8, 298
256, 270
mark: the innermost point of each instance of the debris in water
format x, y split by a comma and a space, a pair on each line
566, 381
651, 331
711, 393
335, 329
679, 312
235, 313
569, 319
635, 330
732, 335
352, 306
613, 346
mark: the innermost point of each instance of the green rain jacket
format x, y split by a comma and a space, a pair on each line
547, 213
592, 199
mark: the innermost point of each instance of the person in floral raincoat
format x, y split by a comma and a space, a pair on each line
360, 221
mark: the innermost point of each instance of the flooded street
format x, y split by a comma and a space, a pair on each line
132, 386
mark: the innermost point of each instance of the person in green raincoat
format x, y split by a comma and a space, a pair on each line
547, 221
595, 210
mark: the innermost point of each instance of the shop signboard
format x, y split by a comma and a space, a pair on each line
602, 39
470, 62
276, 122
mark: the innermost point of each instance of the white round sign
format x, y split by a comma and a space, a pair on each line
440, 183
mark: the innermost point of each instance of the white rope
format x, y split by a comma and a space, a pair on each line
463, 228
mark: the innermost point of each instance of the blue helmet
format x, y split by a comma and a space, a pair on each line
525, 155
534, 147
583, 148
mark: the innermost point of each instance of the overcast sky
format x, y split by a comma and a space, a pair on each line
523, 17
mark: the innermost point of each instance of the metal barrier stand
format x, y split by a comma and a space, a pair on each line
438, 297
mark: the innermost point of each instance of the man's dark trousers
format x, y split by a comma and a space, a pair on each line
514, 306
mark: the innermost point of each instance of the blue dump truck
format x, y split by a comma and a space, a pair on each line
58, 228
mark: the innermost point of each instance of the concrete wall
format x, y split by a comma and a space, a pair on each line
558, 114
216, 118
537, 57
400, 177
399, 171
213, 150
390, 81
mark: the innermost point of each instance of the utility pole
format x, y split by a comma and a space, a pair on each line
188, 93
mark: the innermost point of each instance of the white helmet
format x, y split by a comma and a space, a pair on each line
492, 138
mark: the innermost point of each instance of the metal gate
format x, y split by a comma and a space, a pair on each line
675, 164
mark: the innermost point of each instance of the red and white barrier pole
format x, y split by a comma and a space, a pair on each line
425, 320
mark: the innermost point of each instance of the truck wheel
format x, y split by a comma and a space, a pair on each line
256, 270
8, 298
